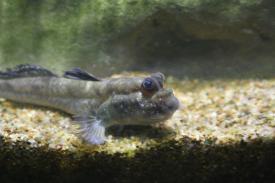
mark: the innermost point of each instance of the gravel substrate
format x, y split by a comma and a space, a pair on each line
222, 110
223, 132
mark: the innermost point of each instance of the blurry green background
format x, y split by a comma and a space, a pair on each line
186, 38
208, 47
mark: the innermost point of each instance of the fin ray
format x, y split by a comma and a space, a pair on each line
92, 129
79, 74
25, 70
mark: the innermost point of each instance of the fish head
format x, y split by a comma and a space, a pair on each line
157, 108
152, 104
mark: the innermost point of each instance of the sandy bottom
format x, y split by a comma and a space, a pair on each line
225, 111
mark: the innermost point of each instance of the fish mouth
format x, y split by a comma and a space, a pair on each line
172, 104
166, 101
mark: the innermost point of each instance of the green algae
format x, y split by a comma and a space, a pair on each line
65, 32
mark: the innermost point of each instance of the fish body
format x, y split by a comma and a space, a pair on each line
71, 96
94, 103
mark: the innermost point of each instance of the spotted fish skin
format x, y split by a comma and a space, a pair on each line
95, 103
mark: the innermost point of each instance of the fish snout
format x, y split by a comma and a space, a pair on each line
172, 104
167, 100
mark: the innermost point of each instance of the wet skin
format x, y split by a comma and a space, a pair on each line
94, 103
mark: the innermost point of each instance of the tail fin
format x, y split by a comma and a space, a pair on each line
25, 70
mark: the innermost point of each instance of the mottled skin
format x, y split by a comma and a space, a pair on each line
96, 104
72, 96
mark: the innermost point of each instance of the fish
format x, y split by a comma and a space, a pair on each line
94, 103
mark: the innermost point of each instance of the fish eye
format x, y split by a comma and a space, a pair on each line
148, 84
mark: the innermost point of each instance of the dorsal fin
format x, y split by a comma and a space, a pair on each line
25, 70
78, 74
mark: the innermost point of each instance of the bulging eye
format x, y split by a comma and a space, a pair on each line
148, 84
149, 87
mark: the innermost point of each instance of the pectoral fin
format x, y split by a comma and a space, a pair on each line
92, 129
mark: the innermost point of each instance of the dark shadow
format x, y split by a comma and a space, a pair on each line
185, 160
143, 132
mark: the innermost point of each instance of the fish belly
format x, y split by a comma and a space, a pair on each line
39, 91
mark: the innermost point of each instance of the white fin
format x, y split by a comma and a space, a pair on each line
92, 130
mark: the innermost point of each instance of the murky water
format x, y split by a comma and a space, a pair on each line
216, 50
217, 56
107, 38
